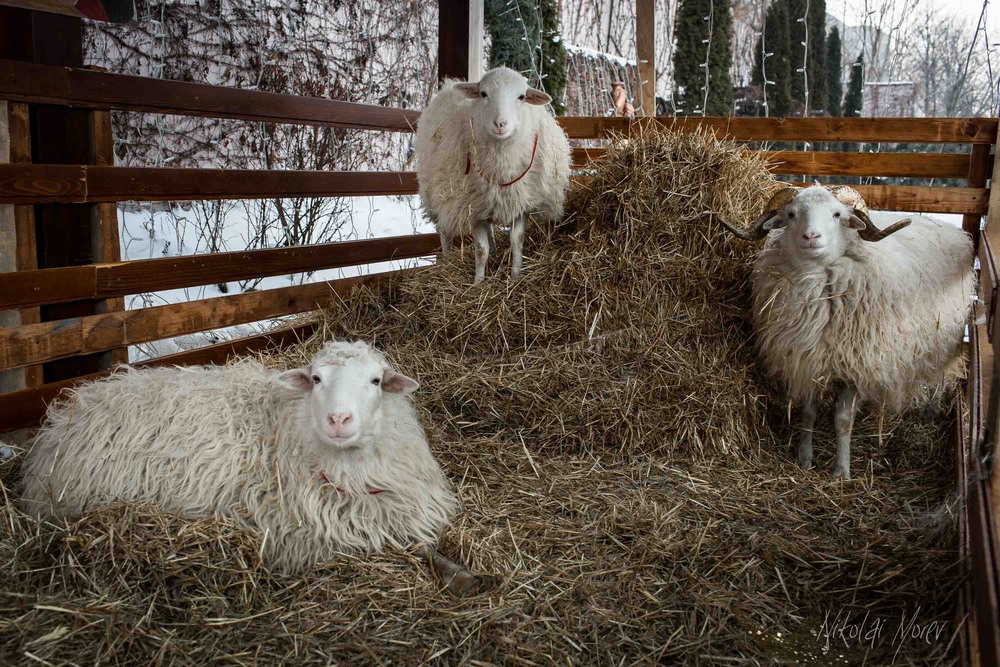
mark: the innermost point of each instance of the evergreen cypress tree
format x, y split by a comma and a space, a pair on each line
777, 65
691, 30
796, 48
817, 55
542, 58
854, 101
834, 74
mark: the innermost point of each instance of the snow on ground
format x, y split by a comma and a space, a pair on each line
147, 233
184, 231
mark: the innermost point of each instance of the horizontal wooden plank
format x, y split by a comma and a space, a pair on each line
892, 130
47, 341
70, 184
46, 84
829, 163
102, 281
25, 408
913, 199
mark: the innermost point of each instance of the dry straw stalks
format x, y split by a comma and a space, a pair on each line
625, 475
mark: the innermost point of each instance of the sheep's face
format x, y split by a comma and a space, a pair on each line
498, 100
345, 394
818, 228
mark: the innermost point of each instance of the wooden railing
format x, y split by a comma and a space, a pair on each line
25, 185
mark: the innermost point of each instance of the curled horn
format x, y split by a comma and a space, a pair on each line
757, 231
850, 197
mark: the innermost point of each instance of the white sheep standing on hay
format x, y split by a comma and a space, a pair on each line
836, 299
317, 460
490, 153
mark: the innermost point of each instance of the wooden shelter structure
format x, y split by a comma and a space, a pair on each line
70, 283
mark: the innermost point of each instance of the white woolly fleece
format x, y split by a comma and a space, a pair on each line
232, 441
886, 317
452, 199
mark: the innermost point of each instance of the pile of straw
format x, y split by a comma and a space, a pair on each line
626, 480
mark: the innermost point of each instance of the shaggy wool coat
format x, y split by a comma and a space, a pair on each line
232, 441
887, 317
447, 144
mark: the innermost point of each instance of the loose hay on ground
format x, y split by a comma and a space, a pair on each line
607, 428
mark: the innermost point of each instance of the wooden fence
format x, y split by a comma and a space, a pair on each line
35, 187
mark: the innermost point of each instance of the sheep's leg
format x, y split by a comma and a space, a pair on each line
446, 243
516, 247
847, 403
805, 450
492, 238
459, 580
481, 234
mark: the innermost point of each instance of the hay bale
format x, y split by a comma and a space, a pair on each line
628, 331
622, 475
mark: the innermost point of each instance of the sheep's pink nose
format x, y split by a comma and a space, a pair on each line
340, 419
500, 125
809, 236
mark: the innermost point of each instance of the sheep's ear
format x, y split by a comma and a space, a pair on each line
854, 222
397, 383
470, 90
297, 379
773, 221
536, 97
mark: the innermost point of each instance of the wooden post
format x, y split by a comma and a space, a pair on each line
24, 220
645, 46
64, 233
105, 241
460, 39
979, 163
983, 494
453, 39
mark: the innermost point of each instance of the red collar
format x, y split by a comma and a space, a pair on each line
371, 492
534, 148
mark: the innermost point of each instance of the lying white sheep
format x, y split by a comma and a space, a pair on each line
317, 460
831, 306
490, 153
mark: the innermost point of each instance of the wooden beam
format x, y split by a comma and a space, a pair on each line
645, 46
892, 130
80, 88
61, 136
106, 243
453, 39
65, 184
19, 125
979, 163
102, 281
914, 199
823, 163
25, 408
476, 47
47, 341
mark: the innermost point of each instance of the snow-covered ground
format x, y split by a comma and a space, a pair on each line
149, 234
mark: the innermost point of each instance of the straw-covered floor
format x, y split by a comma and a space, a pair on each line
625, 471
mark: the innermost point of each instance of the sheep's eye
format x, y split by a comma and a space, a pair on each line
482, 94
837, 214
791, 215
315, 379
376, 381
521, 97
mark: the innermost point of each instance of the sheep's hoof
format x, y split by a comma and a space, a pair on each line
805, 461
842, 473
466, 584
459, 580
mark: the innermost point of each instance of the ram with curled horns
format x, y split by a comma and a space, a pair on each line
840, 303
